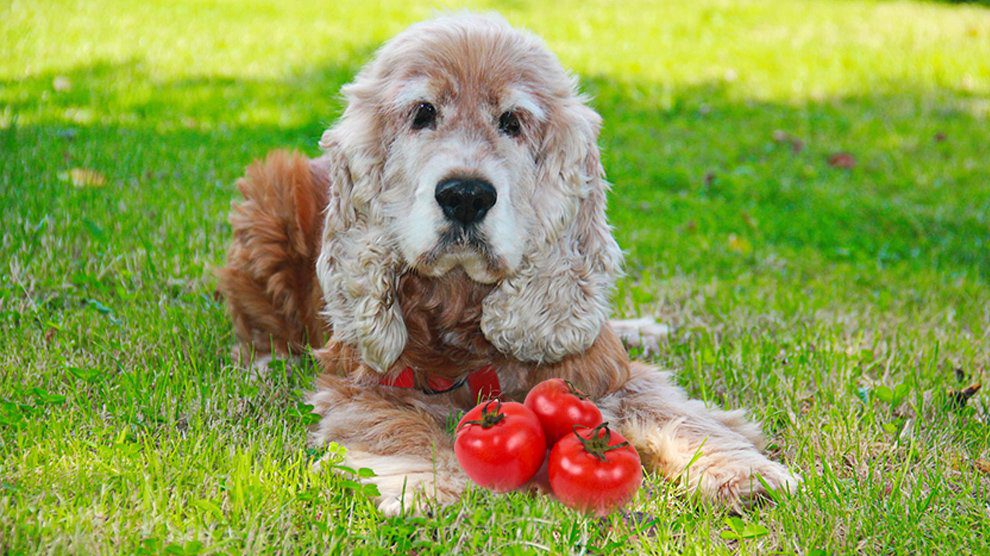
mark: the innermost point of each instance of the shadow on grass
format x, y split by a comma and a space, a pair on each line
965, 2
694, 167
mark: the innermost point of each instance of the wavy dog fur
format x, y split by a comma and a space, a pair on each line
384, 281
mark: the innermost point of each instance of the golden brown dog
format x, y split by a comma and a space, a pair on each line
456, 222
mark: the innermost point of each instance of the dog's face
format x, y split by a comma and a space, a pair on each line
465, 144
460, 163
462, 118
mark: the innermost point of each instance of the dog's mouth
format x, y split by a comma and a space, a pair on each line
465, 247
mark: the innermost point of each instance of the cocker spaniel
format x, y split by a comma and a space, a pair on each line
452, 243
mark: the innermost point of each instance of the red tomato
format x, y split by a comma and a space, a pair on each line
500, 445
594, 470
560, 406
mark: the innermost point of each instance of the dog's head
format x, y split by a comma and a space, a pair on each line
466, 145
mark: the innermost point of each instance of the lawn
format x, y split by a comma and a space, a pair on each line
802, 189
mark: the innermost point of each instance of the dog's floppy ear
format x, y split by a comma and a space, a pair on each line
558, 300
357, 267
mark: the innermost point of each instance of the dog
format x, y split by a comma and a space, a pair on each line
452, 243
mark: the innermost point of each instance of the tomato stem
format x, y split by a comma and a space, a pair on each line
597, 441
575, 391
489, 417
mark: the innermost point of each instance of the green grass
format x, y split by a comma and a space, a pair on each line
839, 305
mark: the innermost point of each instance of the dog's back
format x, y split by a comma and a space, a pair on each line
269, 280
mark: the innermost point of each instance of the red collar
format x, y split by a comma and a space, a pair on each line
484, 383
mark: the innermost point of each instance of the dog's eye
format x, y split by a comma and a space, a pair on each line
508, 123
426, 116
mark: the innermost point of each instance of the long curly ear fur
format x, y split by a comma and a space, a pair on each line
557, 302
358, 265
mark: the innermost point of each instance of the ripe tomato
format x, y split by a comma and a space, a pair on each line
500, 445
560, 406
594, 470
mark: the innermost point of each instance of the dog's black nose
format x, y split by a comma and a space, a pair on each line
465, 200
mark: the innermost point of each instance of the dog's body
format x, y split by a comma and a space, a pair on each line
457, 221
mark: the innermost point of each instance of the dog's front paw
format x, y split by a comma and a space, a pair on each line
643, 333
408, 484
412, 494
744, 481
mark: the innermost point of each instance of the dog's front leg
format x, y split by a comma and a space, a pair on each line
716, 452
406, 446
